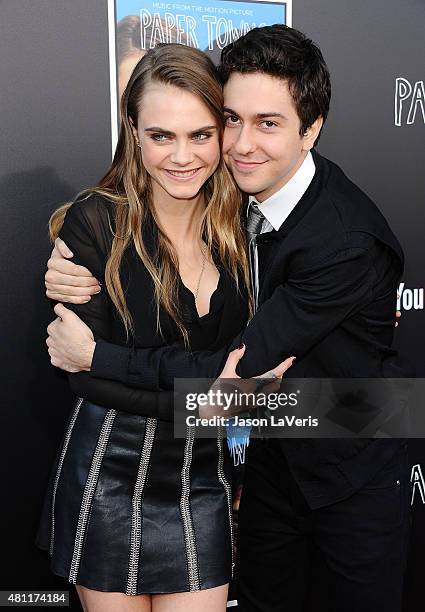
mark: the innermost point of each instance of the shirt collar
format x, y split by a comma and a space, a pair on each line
278, 206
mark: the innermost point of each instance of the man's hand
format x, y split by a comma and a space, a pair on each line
397, 312
67, 282
71, 343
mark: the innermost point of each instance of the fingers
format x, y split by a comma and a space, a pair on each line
280, 370
233, 358
67, 299
239, 350
63, 249
56, 361
56, 356
51, 327
56, 278
62, 312
68, 282
236, 355
72, 290
69, 268
398, 315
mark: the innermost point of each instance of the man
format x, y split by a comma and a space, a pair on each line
325, 268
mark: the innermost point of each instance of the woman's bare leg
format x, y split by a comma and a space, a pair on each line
97, 601
209, 600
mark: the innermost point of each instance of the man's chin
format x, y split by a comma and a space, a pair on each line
247, 184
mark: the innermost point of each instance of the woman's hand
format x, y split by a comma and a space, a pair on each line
239, 385
229, 370
70, 341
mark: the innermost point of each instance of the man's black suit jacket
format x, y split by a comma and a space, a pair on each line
328, 279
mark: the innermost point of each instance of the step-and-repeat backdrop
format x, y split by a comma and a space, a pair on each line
64, 66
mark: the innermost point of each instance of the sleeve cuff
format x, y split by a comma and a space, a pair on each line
110, 361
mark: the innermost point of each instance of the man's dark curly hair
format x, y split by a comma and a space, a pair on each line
285, 53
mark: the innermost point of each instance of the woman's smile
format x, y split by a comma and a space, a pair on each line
183, 175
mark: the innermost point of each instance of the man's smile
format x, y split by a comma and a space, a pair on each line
245, 164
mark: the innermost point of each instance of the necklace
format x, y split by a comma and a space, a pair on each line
204, 250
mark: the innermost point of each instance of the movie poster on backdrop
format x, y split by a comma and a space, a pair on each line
138, 25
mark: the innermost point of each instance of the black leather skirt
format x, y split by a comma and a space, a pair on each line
131, 509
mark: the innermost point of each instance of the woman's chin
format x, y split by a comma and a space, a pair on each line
183, 192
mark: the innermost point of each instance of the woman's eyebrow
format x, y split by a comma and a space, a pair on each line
159, 129
204, 129
169, 133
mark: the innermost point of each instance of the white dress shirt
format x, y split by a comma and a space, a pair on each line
277, 208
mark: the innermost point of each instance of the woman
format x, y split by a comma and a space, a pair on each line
131, 510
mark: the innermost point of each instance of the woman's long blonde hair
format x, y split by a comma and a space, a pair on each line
128, 185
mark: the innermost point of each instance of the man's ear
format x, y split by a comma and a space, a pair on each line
310, 135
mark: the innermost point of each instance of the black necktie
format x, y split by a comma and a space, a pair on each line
253, 228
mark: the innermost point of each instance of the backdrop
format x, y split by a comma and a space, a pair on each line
56, 139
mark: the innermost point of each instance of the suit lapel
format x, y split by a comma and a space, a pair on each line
270, 243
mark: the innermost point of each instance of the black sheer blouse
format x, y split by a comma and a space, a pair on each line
88, 231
